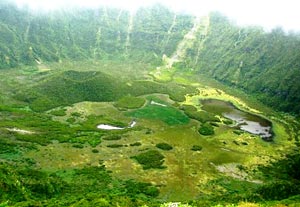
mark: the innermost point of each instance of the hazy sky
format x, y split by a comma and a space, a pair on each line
267, 13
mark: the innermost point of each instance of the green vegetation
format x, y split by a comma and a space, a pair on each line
283, 178
130, 102
65, 72
202, 116
150, 159
227, 121
206, 129
115, 145
169, 115
136, 144
95, 151
164, 146
238, 132
196, 148
70, 87
78, 146
28, 187
58, 112
112, 137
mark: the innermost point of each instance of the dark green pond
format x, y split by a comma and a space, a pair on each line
245, 121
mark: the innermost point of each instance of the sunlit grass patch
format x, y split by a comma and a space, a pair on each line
169, 115
129, 102
214, 93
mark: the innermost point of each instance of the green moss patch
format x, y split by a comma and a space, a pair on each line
58, 112
164, 146
130, 102
206, 129
115, 145
136, 144
196, 148
201, 116
112, 137
150, 159
169, 115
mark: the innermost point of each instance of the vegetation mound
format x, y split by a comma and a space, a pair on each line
130, 102
196, 148
71, 87
150, 159
206, 129
164, 146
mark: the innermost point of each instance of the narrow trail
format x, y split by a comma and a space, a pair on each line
204, 28
118, 21
105, 16
182, 47
167, 38
129, 31
201, 25
119, 15
98, 42
27, 32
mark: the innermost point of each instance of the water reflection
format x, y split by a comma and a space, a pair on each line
245, 121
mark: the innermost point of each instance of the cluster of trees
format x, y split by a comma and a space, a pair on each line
80, 187
283, 177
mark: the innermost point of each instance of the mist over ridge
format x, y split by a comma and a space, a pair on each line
266, 14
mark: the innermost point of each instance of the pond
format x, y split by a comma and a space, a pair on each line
248, 122
110, 127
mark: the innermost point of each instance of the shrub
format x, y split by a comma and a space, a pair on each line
95, 151
115, 145
206, 129
112, 137
76, 114
135, 144
150, 159
196, 148
164, 146
214, 124
71, 120
238, 132
228, 121
80, 146
59, 112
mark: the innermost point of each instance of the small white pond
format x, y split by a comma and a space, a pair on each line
158, 104
110, 127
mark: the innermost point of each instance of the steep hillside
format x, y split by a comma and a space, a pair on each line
28, 37
265, 64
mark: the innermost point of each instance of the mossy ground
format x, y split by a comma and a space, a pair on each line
186, 170
187, 174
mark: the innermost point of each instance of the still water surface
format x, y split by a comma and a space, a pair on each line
245, 121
